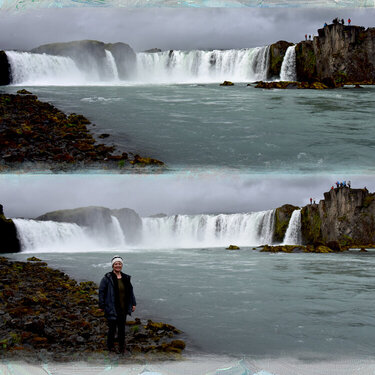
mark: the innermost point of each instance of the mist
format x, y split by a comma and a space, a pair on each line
32, 195
170, 28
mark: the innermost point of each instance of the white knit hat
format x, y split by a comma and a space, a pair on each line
117, 258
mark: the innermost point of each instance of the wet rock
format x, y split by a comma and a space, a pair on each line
232, 247
227, 83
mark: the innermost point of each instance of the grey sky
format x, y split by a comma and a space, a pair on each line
170, 28
33, 195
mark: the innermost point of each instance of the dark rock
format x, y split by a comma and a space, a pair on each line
282, 218
345, 53
104, 135
277, 53
344, 218
232, 247
24, 92
227, 83
8, 234
5, 72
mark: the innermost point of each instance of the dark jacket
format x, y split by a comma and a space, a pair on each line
109, 295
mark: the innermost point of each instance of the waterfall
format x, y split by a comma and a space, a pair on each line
288, 67
51, 236
243, 65
111, 63
118, 234
250, 64
41, 69
177, 231
293, 234
191, 231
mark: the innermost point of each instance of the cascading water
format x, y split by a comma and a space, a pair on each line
288, 67
51, 236
185, 231
293, 234
112, 67
242, 65
41, 69
178, 231
118, 234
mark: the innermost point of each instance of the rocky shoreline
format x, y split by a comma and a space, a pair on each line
47, 316
36, 135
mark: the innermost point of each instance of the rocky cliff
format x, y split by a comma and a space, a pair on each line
92, 53
345, 53
8, 233
345, 215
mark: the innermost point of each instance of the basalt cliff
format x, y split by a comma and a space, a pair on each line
345, 216
344, 53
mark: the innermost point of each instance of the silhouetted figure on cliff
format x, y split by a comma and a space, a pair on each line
349, 21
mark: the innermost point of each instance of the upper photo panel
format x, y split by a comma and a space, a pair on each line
164, 90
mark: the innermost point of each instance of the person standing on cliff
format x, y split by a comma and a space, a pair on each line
116, 299
349, 21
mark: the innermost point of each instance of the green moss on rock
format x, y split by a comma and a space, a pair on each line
282, 218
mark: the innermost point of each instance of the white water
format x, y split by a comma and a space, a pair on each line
51, 236
178, 231
288, 67
192, 231
41, 69
118, 234
242, 65
293, 233
112, 67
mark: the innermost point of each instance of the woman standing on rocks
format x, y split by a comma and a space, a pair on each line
117, 299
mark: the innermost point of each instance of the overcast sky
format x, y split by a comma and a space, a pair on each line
170, 28
33, 195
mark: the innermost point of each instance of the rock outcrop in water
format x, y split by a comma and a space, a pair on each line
345, 53
92, 53
9, 242
99, 219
